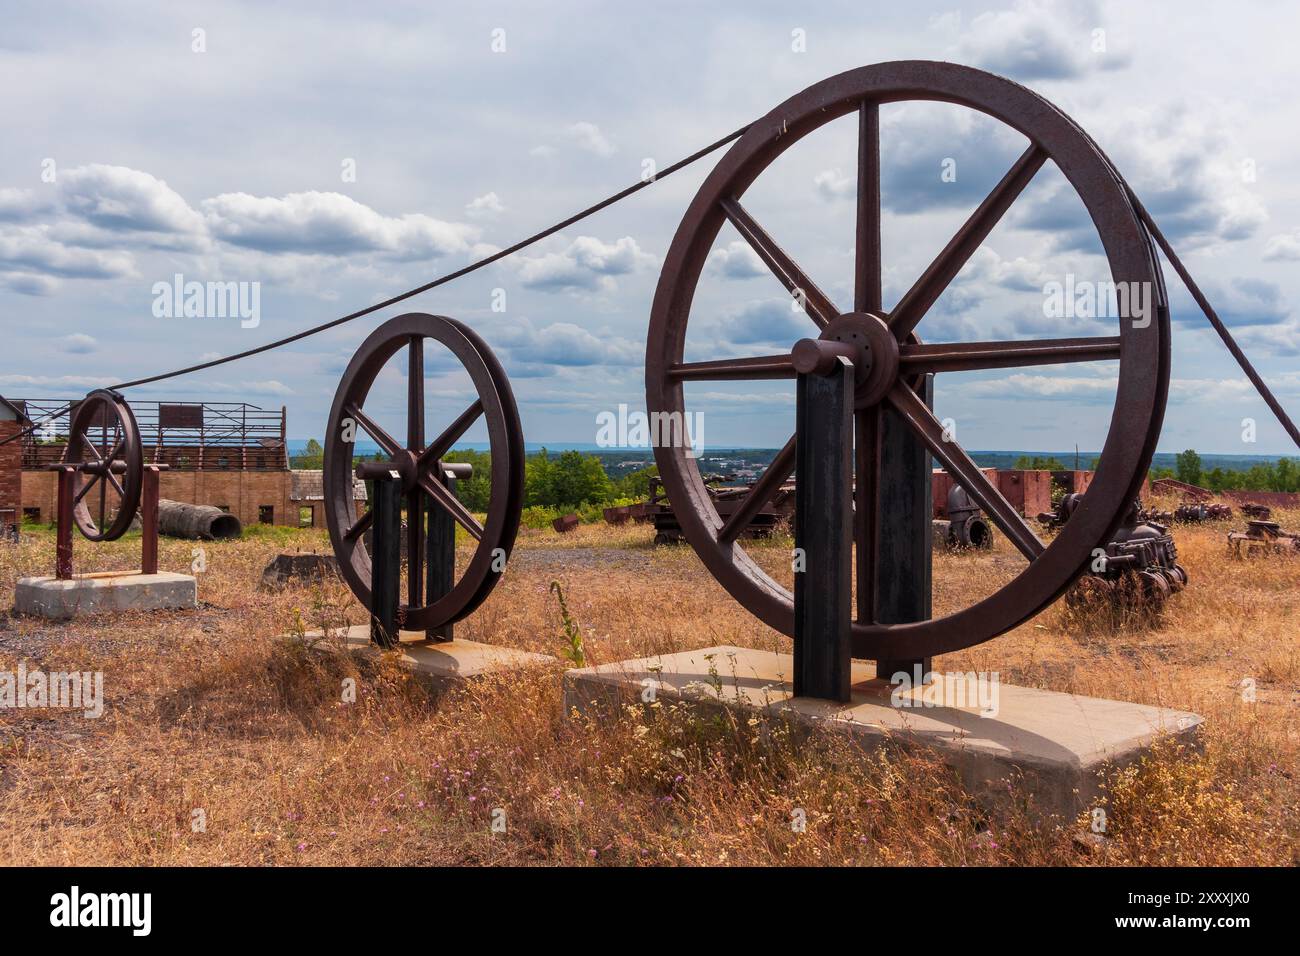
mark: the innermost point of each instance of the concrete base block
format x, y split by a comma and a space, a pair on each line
107, 591
442, 664
1051, 743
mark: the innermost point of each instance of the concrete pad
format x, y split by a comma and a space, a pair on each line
1054, 744
445, 663
106, 591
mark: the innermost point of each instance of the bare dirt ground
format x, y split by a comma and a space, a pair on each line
224, 741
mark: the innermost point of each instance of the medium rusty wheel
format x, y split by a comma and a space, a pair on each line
420, 465
104, 444
890, 356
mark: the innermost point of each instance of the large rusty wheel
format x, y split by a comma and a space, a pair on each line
104, 444
420, 465
893, 356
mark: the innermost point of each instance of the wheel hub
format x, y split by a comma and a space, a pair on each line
875, 369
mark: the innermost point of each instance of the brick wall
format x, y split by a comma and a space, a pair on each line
243, 492
1029, 492
11, 474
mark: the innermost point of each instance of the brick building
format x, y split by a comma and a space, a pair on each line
12, 420
230, 455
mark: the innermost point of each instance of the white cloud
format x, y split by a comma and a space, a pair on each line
587, 263
831, 184
330, 224
737, 260
123, 199
1035, 39
1283, 247
485, 206
28, 250
589, 137
78, 343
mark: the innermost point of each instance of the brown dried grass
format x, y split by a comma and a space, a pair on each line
218, 711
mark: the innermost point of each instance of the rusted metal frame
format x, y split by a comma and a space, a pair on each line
972, 356
823, 587
965, 471
761, 493
386, 562
63, 522
414, 499
441, 558
722, 370
902, 569
496, 535
937, 276
867, 509
787, 271
867, 290
444, 442
149, 521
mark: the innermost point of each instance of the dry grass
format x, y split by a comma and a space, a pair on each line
214, 711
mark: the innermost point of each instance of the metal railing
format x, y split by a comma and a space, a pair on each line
187, 436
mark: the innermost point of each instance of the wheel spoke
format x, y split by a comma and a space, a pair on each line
76, 500
867, 279
91, 445
969, 356
918, 299
384, 440
121, 494
866, 507
441, 494
760, 493
414, 500
721, 370
787, 272
359, 526
442, 444
964, 471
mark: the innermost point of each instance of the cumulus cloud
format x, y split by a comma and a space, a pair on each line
587, 263
1178, 161
126, 200
737, 260
17, 205
29, 250
1284, 247
832, 184
768, 322
1035, 40
589, 137
531, 351
329, 224
78, 344
485, 206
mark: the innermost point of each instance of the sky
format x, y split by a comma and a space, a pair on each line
332, 155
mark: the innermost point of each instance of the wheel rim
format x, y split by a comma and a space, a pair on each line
1143, 353
104, 444
494, 402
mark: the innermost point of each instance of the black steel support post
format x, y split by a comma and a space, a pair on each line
386, 561
823, 533
903, 569
440, 560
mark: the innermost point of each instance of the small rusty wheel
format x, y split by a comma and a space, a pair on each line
104, 444
889, 357
420, 465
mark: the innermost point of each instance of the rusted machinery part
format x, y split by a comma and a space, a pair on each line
178, 519
104, 444
419, 464
565, 523
890, 357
